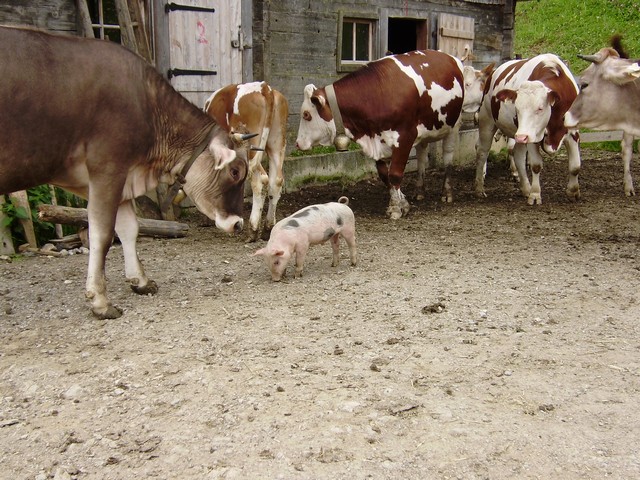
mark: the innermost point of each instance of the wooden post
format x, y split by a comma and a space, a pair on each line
6, 244
22, 200
54, 201
126, 27
84, 19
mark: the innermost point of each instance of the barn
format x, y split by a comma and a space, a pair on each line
201, 45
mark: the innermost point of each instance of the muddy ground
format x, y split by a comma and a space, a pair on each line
479, 340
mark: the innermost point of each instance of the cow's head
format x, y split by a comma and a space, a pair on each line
474, 84
317, 126
533, 102
215, 183
603, 91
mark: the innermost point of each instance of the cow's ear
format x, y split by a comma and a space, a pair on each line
221, 155
621, 72
308, 90
552, 97
488, 70
507, 95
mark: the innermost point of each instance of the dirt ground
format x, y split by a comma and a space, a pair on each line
484, 339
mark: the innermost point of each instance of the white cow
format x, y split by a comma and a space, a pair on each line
526, 100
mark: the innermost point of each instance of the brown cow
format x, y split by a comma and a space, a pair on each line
93, 118
388, 107
256, 107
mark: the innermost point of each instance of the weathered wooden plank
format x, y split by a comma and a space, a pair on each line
606, 136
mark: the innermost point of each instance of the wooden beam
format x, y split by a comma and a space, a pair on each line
6, 243
79, 217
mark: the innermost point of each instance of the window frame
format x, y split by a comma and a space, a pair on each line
355, 18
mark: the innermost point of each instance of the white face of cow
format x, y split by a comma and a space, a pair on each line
533, 102
215, 184
474, 83
605, 85
313, 129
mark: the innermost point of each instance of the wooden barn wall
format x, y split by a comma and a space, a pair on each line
53, 15
295, 41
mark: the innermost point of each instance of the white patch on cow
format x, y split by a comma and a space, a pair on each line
413, 75
441, 97
245, 89
379, 146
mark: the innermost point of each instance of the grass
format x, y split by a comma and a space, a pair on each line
570, 27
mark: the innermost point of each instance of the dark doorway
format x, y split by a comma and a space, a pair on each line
407, 34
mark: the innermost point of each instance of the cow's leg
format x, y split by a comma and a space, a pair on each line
259, 181
448, 147
127, 230
276, 182
383, 171
422, 156
398, 204
535, 163
572, 145
486, 131
101, 211
335, 247
520, 159
627, 154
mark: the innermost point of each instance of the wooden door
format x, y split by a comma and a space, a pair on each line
455, 34
205, 46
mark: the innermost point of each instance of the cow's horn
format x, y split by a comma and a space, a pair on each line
244, 136
590, 58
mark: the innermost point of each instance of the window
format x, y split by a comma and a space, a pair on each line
356, 42
104, 19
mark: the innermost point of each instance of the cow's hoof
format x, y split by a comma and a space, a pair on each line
110, 313
266, 233
151, 288
481, 194
252, 236
394, 213
420, 197
447, 199
534, 199
573, 195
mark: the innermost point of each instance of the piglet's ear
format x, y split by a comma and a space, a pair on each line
259, 252
221, 154
278, 253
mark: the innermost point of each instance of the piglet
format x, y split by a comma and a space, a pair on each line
309, 226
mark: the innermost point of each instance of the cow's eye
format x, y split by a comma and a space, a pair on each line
583, 86
235, 174
306, 115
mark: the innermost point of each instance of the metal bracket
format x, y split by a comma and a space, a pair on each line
176, 72
172, 7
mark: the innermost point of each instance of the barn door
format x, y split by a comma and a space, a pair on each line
205, 46
455, 34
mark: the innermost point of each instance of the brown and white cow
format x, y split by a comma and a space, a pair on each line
387, 107
94, 118
256, 107
609, 99
526, 100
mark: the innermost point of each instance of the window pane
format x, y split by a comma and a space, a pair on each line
347, 41
362, 41
110, 12
112, 34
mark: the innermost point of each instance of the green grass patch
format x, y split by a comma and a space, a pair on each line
570, 27
320, 150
